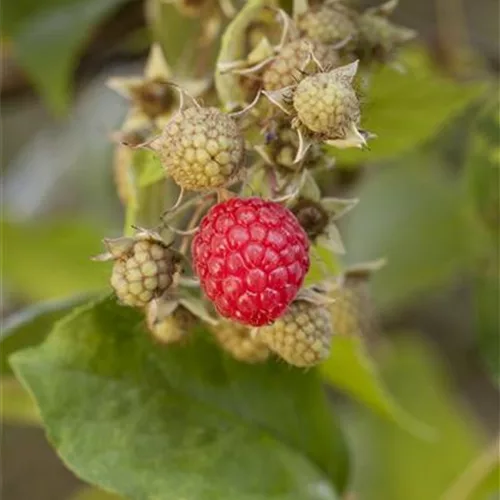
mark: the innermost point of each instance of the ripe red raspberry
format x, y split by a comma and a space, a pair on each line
251, 256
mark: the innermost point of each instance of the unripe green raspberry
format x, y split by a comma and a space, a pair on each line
379, 38
201, 148
144, 268
326, 105
174, 328
328, 23
286, 68
353, 311
235, 339
302, 336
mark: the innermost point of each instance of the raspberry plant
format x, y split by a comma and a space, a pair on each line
230, 283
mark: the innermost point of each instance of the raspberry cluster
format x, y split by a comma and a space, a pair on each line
256, 218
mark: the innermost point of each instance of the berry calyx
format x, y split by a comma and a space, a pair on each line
201, 148
251, 257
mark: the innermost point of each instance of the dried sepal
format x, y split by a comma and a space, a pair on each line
318, 218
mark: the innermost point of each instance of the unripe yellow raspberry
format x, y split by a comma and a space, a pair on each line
235, 339
201, 148
286, 69
302, 336
144, 269
173, 328
328, 23
326, 105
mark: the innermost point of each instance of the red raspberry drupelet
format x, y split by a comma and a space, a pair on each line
251, 256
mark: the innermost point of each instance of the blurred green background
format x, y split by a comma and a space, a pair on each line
429, 203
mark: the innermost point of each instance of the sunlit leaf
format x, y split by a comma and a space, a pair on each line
406, 109
152, 422
52, 260
51, 34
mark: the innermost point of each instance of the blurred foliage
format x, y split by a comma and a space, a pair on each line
45, 260
177, 34
184, 409
350, 369
51, 34
417, 217
482, 180
406, 108
391, 464
17, 406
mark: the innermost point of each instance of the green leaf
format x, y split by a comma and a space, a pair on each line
324, 264
48, 37
480, 480
179, 422
177, 34
418, 219
350, 369
482, 171
30, 326
391, 464
17, 407
52, 260
232, 49
482, 178
149, 167
406, 109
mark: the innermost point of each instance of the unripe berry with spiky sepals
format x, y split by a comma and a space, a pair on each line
174, 328
379, 38
251, 257
326, 105
302, 336
201, 148
352, 309
236, 340
144, 269
328, 23
286, 69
